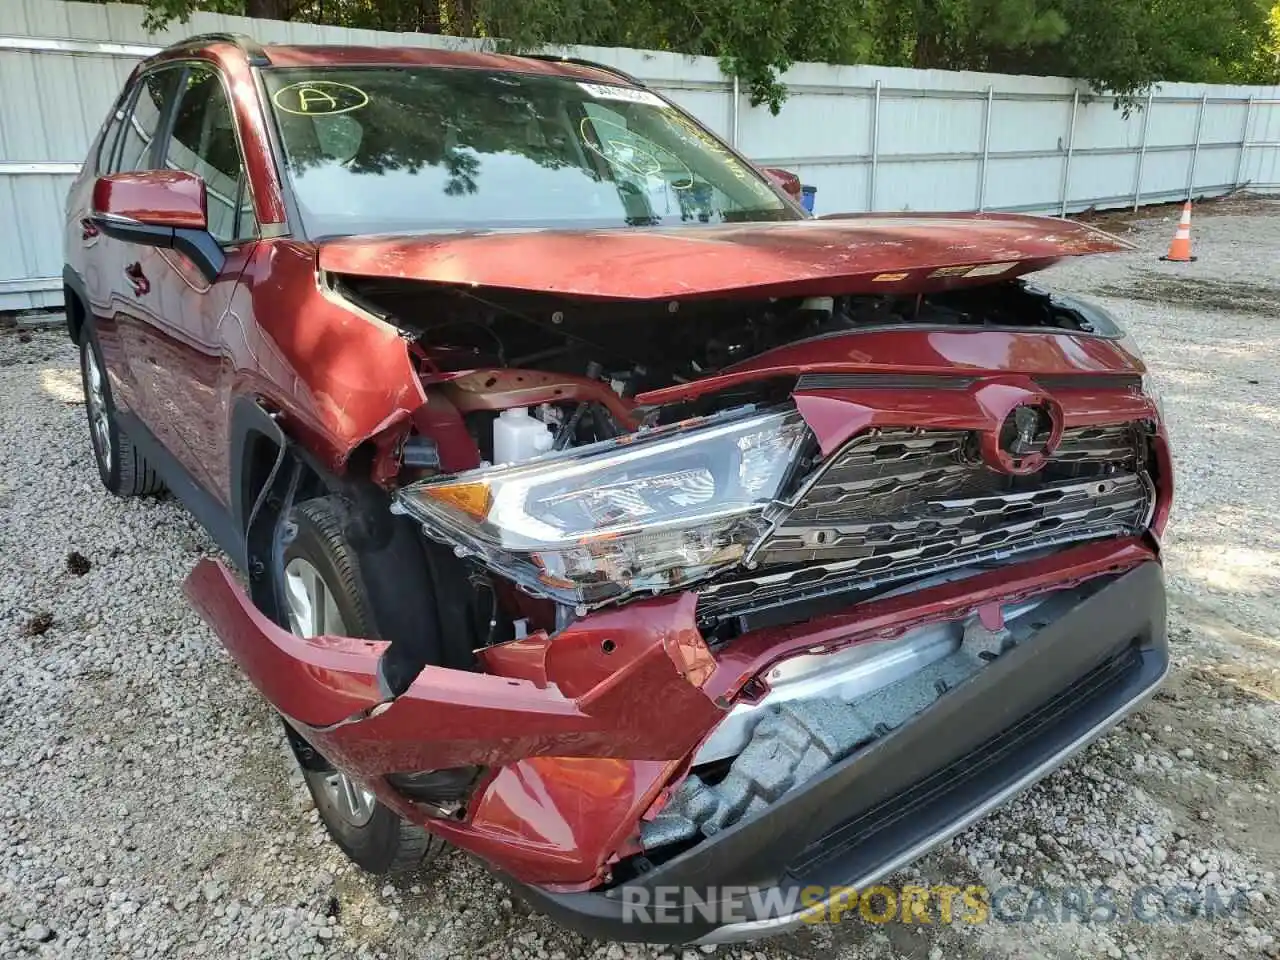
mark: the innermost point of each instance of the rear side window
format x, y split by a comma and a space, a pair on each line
204, 142
154, 93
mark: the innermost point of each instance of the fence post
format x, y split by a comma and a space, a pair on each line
1244, 142
733, 112
1142, 151
986, 151
1071, 147
1195, 151
875, 151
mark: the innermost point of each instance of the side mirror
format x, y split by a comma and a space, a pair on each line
159, 208
788, 181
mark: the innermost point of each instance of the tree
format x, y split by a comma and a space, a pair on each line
1119, 46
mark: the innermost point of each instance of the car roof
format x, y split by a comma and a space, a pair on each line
341, 55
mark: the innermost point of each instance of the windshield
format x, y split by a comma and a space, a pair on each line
377, 150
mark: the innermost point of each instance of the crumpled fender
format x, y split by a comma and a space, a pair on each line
625, 685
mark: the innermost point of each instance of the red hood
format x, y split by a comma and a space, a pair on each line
878, 253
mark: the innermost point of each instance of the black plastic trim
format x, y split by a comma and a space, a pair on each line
199, 246
924, 381
1123, 618
73, 282
580, 62
203, 505
250, 422
251, 48
1089, 381
881, 381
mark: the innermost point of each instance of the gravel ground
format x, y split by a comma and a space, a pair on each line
151, 809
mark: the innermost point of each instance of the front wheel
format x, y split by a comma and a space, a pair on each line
324, 594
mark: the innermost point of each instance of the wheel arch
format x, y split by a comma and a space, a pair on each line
75, 302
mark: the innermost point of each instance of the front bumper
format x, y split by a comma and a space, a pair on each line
974, 749
582, 732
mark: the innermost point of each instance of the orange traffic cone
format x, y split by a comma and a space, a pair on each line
1180, 249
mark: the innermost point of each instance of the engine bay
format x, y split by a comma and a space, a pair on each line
639, 346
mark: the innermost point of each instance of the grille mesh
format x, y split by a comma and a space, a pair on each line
897, 504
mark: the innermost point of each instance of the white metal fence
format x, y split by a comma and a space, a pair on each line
869, 138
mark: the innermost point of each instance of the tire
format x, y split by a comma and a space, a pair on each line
370, 833
121, 465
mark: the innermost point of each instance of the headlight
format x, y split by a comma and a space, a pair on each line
645, 512
1152, 392
1150, 389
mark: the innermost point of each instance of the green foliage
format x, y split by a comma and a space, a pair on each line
1119, 46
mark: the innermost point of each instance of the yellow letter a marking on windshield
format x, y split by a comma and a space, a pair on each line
308, 95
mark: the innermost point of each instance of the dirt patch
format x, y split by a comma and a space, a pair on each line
1235, 205
38, 625
1197, 293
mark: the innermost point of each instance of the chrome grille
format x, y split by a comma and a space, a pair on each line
900, 504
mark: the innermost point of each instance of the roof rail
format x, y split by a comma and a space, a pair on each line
580, 62
252, 49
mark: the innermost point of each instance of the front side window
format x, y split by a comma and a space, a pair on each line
148, 107
204, 142
107, 145
376, 150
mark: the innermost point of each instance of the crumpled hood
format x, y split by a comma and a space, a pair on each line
874, 253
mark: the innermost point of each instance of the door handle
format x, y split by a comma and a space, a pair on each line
88, 229
141, 285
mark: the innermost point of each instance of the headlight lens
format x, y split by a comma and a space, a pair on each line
1152, 391
1148, 387
645, 512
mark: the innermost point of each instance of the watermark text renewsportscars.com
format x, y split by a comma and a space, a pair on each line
939, 904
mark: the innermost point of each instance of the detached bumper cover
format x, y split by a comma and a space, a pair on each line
886, 805
585, 698
580, 733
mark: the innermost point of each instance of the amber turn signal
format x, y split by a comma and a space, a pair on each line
473, 499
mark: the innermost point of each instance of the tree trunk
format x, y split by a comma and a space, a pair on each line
429, 16
462, 20
927, 53
267, 9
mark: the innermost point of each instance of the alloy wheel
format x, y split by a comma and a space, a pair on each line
313, 611
99, 415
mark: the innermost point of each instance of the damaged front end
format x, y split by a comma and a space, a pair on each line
781, 593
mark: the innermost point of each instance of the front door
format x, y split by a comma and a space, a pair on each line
187, 338
119, 291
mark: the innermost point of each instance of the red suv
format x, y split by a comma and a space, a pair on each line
596, 510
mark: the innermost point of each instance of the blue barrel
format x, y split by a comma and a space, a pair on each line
807, 194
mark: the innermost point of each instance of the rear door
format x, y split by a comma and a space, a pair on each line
186, 351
